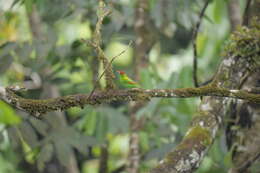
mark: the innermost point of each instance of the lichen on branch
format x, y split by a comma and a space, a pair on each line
96, 43
39, 107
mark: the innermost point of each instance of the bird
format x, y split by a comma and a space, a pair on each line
126, 81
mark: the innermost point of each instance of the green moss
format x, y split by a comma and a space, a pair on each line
245, 41
254, 98
205, 117
201, 134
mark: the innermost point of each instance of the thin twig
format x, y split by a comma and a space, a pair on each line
103, 161
97, 41
194, 37
246, 13
248, 163
234, 14
111, 61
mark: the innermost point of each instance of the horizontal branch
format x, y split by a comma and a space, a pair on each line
38, 107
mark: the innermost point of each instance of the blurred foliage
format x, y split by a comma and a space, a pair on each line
25, 60
7, 115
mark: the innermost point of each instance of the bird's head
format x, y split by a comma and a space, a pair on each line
121, 72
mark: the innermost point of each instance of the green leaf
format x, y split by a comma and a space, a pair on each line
146, 81
29, 152
91, 122
66, 138
44, 156
219, 10
24, 51
102, 127
7, 115
113, 116
81, 143
228, 157
201, 42
14, 137
6, 58
63, 151
7, 166
39, 126
29, 5
60, 80
28, 134
77, 140
144, 141
149, 109
16, 2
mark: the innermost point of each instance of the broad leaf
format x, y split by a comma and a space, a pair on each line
7, 115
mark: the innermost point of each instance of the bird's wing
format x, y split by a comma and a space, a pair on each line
131, 82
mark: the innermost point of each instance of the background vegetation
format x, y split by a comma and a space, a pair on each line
40, 48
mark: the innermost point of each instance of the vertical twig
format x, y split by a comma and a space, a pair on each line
145, 36
35, 23
234, 14
134, 151
194, 37
94, 69
247, 13
103, 162
96, 43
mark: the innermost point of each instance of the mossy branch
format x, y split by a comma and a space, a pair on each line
96, 43
39, 107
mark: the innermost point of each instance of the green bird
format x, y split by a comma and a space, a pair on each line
126, 81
